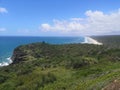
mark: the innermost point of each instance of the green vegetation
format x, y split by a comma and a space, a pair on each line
42, 66
113, 41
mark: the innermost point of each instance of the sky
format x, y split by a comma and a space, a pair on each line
59, 17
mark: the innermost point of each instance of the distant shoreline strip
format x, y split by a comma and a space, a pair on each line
89, 40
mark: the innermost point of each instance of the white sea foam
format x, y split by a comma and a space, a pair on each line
6, 63
10, 60
89, 40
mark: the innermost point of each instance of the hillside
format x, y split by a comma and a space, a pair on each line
42, 66
113, 41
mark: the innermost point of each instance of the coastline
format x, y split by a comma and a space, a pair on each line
87, 40
90, 40
6, 63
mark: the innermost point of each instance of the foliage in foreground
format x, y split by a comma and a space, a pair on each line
41, 66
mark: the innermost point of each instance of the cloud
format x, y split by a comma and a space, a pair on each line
3, 10
95, 23
2, 29
46, 27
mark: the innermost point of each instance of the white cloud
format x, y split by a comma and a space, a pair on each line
2, 29
95, 23
46, 27
3, 10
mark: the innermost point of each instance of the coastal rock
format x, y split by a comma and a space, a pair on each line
29, 52
18, 55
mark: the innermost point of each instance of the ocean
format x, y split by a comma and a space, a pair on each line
8, 43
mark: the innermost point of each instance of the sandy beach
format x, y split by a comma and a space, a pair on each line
92, 41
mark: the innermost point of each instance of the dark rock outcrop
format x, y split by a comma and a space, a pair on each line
18, 55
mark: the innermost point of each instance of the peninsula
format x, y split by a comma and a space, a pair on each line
43, 66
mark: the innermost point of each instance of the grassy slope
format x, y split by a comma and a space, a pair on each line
62, 67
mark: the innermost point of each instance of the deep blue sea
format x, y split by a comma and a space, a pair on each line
8, 43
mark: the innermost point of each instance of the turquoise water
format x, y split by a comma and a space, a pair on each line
8, 43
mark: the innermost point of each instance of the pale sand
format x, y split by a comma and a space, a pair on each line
92, 41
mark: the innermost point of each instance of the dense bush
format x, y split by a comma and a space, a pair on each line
41, 66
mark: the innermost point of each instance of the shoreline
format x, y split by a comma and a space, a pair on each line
89, 40
6, 63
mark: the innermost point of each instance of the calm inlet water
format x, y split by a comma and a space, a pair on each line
7, 44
